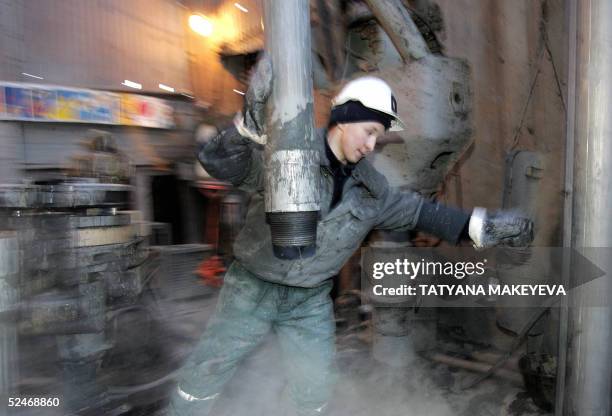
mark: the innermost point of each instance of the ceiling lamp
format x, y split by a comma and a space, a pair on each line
200, 24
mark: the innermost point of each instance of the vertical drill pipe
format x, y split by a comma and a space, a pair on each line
589, 365
292, 162
570, 12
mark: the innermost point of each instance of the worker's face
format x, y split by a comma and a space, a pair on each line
359, 139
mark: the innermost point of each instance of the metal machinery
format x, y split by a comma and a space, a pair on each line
434, 94
73, 248
74, 268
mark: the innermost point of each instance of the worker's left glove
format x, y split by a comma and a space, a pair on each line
251, 122
502, 228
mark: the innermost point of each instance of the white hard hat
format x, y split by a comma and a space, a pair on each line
373, 93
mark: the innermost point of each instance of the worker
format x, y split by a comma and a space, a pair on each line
290, 295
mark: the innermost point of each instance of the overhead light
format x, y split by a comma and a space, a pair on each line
30, 75
241, 7
238, 91
165, 87
132, 84
200, 24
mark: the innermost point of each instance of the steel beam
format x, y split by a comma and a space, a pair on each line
589, 364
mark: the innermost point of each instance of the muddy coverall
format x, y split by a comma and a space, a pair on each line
291, 297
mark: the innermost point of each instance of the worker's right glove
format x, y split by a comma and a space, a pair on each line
499, 229
227, 156
251, 123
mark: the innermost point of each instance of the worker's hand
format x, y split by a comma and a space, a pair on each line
227, 156
251, 123
502, 228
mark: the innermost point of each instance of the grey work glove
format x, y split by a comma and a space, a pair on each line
502, 228
228, 155
251, 123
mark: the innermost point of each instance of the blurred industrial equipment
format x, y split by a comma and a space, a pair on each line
84, 295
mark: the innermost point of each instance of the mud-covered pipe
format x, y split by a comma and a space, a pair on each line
291, 160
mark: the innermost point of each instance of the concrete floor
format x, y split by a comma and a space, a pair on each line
365, 387
140, 368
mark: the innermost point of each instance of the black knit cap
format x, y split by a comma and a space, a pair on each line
355, 112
